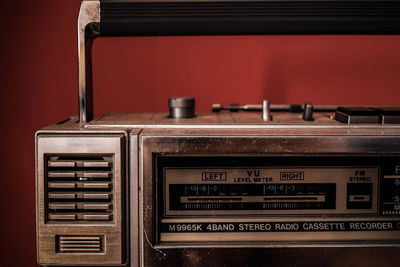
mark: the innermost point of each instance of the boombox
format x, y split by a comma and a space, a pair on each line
243, 185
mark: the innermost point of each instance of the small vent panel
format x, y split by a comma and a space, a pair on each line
79, 244
79, 189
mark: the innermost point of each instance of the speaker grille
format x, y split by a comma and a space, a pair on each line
79, 189
79, 244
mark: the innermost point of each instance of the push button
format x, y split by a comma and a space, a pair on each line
359, 196
357, 115
390, 115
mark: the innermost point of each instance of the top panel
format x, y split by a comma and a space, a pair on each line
232, 120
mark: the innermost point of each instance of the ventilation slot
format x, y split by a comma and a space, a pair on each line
79, 189
79, 244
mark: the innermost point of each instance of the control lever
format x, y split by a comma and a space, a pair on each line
266, 111
308, 111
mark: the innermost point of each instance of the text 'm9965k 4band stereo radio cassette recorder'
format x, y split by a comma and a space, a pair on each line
243, 185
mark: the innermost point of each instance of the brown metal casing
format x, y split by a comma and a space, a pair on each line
141, 137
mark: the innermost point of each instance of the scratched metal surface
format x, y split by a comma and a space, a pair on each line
249, 118
296, 257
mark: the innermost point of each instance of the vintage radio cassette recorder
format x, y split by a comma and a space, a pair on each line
250, 185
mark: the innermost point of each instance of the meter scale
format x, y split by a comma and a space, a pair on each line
252, 196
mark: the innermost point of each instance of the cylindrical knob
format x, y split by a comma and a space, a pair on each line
181, 107
216, 107
308, 111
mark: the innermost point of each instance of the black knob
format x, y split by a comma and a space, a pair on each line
181, 107
308, 111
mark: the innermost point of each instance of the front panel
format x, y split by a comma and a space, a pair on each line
218, 197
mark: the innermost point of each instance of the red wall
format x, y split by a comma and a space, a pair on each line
38, 85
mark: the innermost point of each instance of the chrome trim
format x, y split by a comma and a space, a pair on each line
88, 30
134, 200
240, 126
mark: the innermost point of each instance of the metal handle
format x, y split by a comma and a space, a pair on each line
88, 29
221, 17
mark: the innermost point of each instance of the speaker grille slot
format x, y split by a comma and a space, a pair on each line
79, 189
79, 244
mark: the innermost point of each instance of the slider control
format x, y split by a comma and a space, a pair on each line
266, 111
308, 111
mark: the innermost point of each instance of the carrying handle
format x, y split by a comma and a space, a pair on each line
223, 17
88, 30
